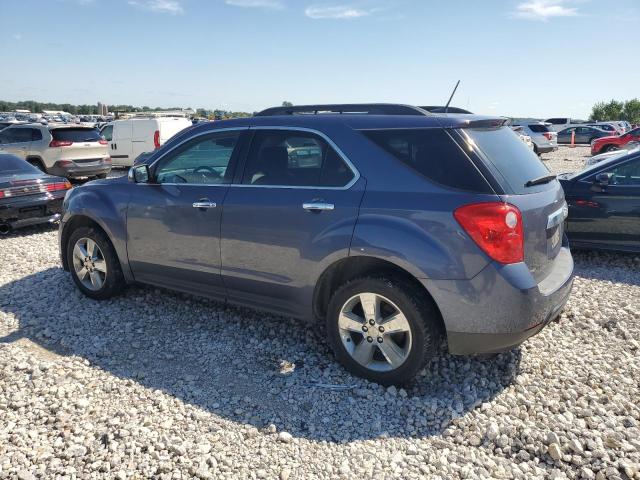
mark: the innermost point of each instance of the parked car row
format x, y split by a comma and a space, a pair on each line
543, 138
561, 123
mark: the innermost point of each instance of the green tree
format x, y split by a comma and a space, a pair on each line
287, 104
632, 110
598, 112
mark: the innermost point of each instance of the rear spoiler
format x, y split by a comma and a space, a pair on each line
485, 123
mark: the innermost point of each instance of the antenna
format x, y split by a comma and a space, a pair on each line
446, 107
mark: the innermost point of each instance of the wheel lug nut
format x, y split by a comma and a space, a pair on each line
369, 339
379, 339
381, 329
365, 329
372, 322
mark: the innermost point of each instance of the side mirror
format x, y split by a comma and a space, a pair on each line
139, 174
603, 179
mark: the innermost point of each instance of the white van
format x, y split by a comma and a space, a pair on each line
129, 138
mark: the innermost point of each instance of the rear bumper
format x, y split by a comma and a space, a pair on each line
546, 148
502, 306
25, 211
73, 169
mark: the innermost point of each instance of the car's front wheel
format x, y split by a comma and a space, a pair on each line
382, 329
93, 263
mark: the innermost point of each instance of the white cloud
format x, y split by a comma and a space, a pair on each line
543, 10
273, 4
340, 12
160, 6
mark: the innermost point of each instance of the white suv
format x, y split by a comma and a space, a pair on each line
64, 150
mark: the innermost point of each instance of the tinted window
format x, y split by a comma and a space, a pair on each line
296, 159
508, 155
538, 128
16, 135
76, 134
434, 154
627, 174
107, 132
36, 134
201, 161
11, 165
557, 121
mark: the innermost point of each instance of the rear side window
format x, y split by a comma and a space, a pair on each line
294, 158
433, 154
503, 150
538, 128
557, 121
76, 134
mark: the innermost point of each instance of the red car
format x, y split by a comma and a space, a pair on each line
606, 144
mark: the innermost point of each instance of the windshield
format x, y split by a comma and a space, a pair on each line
10, 165
505, 153
76, 134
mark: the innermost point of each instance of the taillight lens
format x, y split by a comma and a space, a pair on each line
60, 143
548, 135
54, 187
496, 228
102, 142
156, 138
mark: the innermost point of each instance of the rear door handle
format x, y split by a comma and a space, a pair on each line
317, 206
204, 204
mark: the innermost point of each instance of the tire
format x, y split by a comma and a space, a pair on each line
610, 148
411, 349
37, 163
101, 176
109, 270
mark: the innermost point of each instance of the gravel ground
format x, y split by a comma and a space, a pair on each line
161, 385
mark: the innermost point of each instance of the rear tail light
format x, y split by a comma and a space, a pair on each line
156, 138
548, 135
60, 143
54, 187
496, 228
102, 142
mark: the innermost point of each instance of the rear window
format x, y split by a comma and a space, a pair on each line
512, 159
538, 128
76, 134
433, 154
11, 165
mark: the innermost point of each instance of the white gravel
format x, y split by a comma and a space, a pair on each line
161, 385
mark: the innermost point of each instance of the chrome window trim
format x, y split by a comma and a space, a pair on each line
341, 154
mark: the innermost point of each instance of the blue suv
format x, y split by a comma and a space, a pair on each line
393, 226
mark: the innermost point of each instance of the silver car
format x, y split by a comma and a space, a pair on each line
64, 150
544, 139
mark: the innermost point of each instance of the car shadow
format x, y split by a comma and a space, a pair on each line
616, 267
243, 365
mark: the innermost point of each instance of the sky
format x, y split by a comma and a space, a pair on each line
538, 58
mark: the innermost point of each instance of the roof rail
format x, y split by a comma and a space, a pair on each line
346, 108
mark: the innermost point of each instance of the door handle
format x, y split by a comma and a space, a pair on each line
204, 204
317, 206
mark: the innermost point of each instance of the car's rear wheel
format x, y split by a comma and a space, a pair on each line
610, 148
37, 163
101, 176
382, 329
93, 263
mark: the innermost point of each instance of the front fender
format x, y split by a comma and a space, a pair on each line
105, 207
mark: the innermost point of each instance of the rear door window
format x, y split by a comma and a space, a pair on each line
434, 154
502, 149
76, 134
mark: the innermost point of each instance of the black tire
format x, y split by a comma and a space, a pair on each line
535, 149
37, 163
610, 148
101, 176
114, 281
419, 311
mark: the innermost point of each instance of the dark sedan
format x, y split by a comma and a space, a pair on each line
604, 204
28, 196
582, 134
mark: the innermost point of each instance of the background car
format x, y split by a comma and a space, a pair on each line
544, 139
526, 139
624, 150
28, 196
603, 204
609, 143
582, 135
66, 150
612, 128
560, 123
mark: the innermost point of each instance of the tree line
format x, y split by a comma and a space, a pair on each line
617, 110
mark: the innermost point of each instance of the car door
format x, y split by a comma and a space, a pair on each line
120, 144
583, 134
173, 222
564, 136
16, 140
291, 214
607, 214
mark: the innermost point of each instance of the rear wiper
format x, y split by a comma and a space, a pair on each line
540, 180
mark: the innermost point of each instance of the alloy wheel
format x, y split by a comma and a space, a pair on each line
375, 332
89, 264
